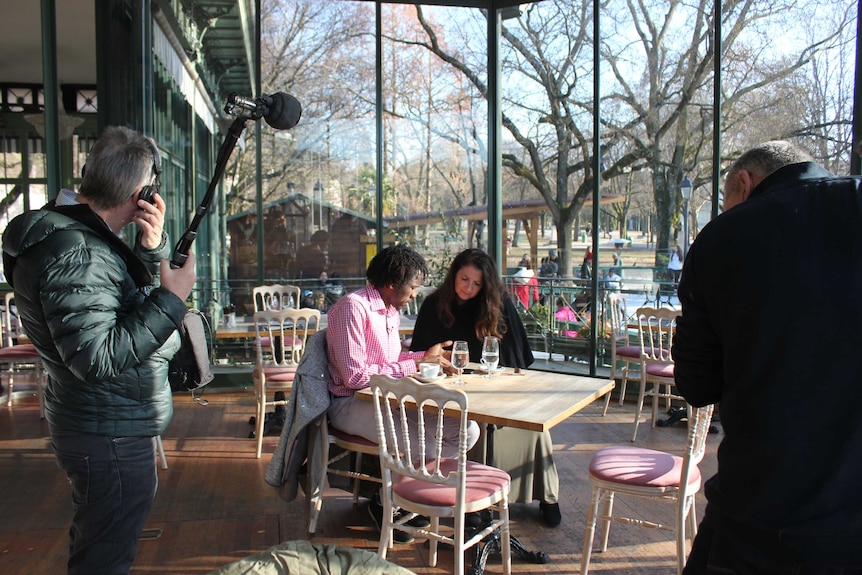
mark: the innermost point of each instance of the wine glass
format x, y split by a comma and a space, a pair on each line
491, 354
460, 358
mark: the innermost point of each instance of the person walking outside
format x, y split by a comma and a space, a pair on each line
674, 264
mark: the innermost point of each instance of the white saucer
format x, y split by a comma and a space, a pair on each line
430, 379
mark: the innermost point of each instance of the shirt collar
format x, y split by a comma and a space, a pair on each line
375, 300
792, 175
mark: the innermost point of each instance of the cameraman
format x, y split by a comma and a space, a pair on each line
105, 339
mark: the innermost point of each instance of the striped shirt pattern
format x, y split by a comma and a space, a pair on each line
362, 340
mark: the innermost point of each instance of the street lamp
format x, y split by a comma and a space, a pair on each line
372, 193
686, 188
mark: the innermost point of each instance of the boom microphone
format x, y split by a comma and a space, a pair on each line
280, 110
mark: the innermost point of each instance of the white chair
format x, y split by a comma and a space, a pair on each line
441, 488
656, 329
159, 448
279, 340
635, 471
621, 350
276, 296
19, 358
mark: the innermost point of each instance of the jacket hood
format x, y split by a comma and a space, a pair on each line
28, 230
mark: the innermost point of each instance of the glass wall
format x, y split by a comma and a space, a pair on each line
393, 145
435, 132
599, 128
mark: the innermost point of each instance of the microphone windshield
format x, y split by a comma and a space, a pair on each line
283, 111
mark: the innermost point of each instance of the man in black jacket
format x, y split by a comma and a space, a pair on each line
771, 333
105, 335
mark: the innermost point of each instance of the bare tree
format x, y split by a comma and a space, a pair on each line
657, 109
660, 56
311, 50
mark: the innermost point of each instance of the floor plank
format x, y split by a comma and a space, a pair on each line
213, 505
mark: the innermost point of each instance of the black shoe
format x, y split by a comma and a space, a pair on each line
419, 522
551, 513
375, 510
473, 520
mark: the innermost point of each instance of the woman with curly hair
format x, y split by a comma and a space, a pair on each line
473, 303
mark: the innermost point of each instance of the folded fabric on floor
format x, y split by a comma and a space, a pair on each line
305, 558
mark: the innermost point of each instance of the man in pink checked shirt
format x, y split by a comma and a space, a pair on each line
363, 340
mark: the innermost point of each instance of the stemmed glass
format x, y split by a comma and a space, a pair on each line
491, 354
460, 359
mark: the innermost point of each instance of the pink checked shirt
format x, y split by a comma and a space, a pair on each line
362, 340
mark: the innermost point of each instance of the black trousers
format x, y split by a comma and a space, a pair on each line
715, 554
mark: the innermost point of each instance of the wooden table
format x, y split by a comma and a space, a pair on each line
533, 400
526, 399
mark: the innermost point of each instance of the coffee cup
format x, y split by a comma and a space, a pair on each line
429, 370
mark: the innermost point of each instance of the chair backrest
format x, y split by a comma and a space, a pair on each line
656, 329
618, 318
276, 296
280, 335
9, 324
403, 456
698, 429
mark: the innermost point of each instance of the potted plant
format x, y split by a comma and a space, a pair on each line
537, 323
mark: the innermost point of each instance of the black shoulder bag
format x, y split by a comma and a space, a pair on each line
190, 369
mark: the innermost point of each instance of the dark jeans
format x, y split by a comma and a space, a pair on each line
714, 554
113, 483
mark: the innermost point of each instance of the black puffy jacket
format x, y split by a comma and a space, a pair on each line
105, 344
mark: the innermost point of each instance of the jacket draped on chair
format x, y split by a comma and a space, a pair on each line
309, 400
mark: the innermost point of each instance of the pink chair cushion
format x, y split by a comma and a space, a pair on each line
640, 466
277, 374
660, 369
482, 482
633, 351
20, 352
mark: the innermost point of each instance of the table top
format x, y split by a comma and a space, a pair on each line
532, 400
244, 328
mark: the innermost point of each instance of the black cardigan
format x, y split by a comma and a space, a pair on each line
514, 347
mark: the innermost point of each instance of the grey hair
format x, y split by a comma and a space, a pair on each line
767, 157
121, 161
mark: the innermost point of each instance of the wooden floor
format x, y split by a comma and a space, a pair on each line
213, 505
